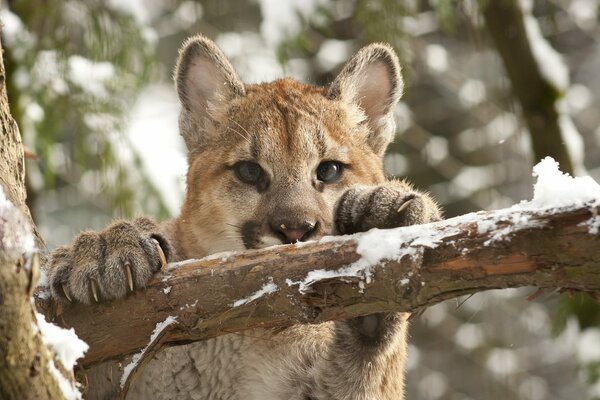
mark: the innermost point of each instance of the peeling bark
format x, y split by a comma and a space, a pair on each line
555, 249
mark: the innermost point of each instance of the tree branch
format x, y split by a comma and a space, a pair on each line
281, 286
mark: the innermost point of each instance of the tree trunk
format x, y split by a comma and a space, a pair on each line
538, 97
24, 358
277, 287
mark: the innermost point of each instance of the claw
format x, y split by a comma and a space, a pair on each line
66, 292
94, 287
163, 259
129, 276
405, 205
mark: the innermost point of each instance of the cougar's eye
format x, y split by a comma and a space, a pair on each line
329, 171
249, 172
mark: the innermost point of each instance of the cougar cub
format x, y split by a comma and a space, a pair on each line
269, 163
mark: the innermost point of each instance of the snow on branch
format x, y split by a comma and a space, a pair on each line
549, 242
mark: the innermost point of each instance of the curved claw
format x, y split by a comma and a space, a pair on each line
66, 292
404, 205
94, 287
163, 259
129, 276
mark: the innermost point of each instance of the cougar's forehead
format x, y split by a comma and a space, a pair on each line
287, 123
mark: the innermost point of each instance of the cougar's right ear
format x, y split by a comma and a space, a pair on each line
204, 79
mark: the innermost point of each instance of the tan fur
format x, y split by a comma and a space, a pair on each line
289, 129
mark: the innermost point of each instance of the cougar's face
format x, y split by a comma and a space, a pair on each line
282, 156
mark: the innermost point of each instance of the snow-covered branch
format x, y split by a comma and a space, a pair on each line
537, 243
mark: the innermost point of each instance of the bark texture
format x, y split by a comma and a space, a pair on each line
276, 288
537, 96
24, 358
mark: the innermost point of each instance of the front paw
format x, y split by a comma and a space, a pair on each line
390, 205
106, 265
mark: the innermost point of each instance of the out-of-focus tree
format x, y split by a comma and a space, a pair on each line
74, 69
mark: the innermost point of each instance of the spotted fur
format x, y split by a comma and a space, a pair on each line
288, 129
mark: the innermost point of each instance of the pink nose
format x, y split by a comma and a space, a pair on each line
294, 233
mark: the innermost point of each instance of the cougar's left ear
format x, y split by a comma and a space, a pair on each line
205, 80
372, 80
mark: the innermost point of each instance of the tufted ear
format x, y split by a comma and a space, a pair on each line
372, 80
205, 80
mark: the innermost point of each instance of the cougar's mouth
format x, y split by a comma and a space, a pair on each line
254, 236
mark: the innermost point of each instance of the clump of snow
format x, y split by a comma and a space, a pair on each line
557, 189
67, 347
63, 342
138, 356
167, 290
18, 238
267, 288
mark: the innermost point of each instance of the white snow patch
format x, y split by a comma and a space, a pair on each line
67, 347
377, 245
584, 13
69, 391
436, 58
283, 19
588, 346
593, 225
91, 76
549, 61
153, 135
573, 141
138, 9
63, 342
138, 356
18, 241
167, 290
267, 288
333, 53
48, 72
557, 189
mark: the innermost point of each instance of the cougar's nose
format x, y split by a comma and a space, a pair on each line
290, 232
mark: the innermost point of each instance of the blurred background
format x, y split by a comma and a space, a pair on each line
491, 87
